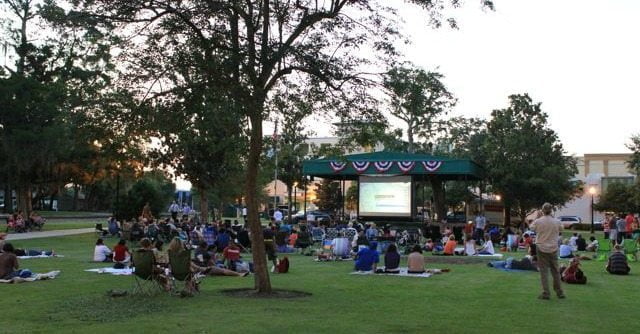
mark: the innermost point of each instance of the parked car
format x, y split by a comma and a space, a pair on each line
318, 215
570, 221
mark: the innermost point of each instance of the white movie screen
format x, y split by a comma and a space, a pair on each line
385, 196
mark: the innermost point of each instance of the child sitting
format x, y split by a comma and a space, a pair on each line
487, 247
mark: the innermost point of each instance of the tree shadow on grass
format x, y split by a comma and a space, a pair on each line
275, 294
102, 308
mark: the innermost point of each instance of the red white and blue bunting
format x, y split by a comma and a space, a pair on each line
406, 166
338, 166
431, 166
382, 166
360, 166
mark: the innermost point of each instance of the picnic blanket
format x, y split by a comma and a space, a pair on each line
113, 271
403, 273
34, 277
39, 256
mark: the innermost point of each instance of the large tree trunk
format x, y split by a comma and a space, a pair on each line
437, 187
8, 198
24, 199
410, 137
262, 282
289, 196
204, 205
507, 213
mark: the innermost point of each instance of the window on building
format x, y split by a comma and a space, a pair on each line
606, 181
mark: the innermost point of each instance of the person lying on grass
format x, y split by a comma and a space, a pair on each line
25, 252
176, 246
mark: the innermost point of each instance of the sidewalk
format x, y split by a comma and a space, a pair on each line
48, 234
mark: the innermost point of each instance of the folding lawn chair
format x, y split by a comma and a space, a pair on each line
180, 264
146, 279
630, 249
604, 248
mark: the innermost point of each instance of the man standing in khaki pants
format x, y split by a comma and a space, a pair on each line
547, 231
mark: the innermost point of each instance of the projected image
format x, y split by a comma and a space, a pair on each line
385, 196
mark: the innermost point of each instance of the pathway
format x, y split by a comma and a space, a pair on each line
48, 234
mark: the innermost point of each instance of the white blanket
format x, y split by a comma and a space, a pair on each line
35, 277
112, 271
403, 272
39, 256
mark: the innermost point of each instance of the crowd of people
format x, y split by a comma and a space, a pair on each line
19, 224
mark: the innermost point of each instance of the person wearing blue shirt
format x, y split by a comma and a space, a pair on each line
367, 258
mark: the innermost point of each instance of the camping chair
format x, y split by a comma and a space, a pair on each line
604, 248
180, 264
630, 249
146, 279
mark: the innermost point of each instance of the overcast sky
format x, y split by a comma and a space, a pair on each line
580, 58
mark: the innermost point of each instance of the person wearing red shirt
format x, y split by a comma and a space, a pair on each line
232, 255
629, 221
450, 246
121, 253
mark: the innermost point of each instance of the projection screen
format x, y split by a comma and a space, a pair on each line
385, 196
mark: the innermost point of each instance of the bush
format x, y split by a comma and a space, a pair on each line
154, 189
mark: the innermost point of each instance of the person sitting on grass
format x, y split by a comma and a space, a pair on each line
593, 245
231, 255
429, 245
3, 236
566, 251
304, 240
581, 244
121, 254
392, 260
487, 247
573, 274
367, 258
450, 246
202, 257
163, 280
177, 246
9, 266
102, 253
617, 263
469, 245
415, 262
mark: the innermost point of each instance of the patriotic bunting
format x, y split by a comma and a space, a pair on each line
382, 166
431, 165
337, 166
406, 166
360, 166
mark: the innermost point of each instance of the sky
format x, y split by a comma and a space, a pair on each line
579, 58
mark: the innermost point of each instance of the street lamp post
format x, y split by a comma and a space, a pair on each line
295, 196
592, 191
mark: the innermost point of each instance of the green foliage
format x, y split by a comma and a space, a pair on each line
620, 198
329, 197
634, 160
418, 98
525, 160
457, 193
153, 188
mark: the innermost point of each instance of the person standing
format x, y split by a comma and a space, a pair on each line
621, 226
547, 230
481, 223
628, 224
173, 210
277, 216
244, 215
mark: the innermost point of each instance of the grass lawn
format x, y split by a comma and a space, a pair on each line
66, 224
471, 298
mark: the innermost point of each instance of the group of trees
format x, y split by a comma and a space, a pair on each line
187, 85
622, 197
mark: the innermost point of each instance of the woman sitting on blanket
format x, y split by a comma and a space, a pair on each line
102, 253
470, 245
392, 260
9, 267
566, 251
450, 246
416, 261
121, 253
487, 247
176, 246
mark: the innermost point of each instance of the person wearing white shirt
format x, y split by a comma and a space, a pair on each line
572, 242
101, 253
487, 248
277, 216
244, 214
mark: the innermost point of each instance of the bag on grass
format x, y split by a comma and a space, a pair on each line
283, 265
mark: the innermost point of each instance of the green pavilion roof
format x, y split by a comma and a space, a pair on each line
351, 166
